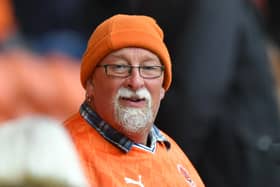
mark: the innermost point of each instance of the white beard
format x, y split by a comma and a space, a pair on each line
133, 120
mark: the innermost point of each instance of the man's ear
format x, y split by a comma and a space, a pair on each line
162, 93
89, 87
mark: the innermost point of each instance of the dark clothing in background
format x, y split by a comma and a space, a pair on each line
221, 107
53, 25
272, 17
222, 100
48, 25
37, 17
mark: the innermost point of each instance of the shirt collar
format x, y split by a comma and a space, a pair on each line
115, 137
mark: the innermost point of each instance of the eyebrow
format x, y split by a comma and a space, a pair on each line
144, 58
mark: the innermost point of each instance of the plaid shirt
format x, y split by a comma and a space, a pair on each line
115, 137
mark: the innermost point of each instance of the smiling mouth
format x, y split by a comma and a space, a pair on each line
133, 99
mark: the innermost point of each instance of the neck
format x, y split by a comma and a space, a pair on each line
140, 137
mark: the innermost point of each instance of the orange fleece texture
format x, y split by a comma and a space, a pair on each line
108, 166
122, 31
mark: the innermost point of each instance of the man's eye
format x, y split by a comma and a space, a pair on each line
149, 67
117, 67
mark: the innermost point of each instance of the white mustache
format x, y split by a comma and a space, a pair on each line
142, 93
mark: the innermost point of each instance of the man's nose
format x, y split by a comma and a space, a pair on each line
135, 81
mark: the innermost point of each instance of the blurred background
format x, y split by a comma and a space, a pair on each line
223, 105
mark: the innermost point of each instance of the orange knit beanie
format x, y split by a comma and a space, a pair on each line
122, 31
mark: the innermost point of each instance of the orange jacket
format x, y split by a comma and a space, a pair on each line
108, 166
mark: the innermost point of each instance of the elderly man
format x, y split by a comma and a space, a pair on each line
126, 71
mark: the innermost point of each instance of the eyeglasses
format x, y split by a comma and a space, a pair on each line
123, 71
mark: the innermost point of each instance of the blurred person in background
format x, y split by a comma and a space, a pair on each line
39, 78
7, 22
228, 121
32, 84
271, 14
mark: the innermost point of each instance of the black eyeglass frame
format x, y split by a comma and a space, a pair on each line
129, 70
